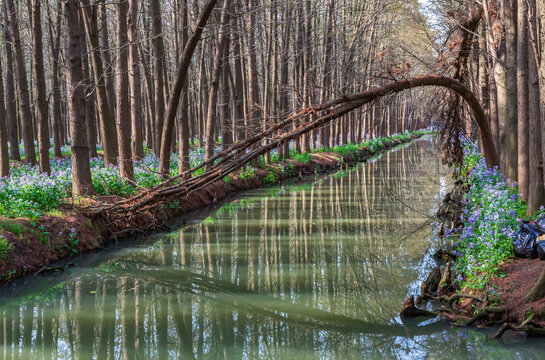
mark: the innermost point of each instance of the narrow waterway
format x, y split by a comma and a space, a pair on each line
318, 269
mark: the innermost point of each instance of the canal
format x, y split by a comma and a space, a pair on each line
316, 269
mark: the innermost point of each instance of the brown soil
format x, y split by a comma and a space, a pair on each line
42, 242
520, 276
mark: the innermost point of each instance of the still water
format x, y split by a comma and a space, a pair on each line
314, 270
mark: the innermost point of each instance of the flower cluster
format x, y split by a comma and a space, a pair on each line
490, 219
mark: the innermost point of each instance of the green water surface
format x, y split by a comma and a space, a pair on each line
314, 270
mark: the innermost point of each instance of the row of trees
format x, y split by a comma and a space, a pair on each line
168, 75
506, 69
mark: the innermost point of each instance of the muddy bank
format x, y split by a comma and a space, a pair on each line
37, 244
501, 307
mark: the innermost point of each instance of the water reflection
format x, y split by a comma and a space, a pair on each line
317, 270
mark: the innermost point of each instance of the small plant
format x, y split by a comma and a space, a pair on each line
13, 227
271, 178
302, 158
227, 179
5, 247
248, 174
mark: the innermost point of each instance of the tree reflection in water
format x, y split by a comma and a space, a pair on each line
317, 270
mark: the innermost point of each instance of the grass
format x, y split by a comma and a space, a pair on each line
13, 227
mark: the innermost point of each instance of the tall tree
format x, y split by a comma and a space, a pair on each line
523, 98
107, 127
158, 69
81, 171
178, 84
11, 106
42, 108
22, 85
123, 120
511, 123
215, 82
55, 44
4, 155
134, 82
183, 122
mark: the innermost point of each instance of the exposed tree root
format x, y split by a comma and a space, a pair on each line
411, 311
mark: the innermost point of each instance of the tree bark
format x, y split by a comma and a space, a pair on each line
177, 86
523, 99
81, 172
54, 43
183, 145
538, 290
511, 123
107, 128
134, 82
214, 85
11, 106
4, 155
22, 85
123, 120
158, 69
42, 108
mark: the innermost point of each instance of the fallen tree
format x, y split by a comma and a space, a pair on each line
291, 127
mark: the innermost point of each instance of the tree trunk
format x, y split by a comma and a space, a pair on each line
183, 145
107, 128
4, 155
54, 43
177, 86
538, 290
536, 188
214, 85
523, 99
511, 123
81, 172
42, 113
134, 82
158, 69
90, 116
22, 85
123, 120
11, 105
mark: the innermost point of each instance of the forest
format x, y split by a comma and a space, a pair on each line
125, 124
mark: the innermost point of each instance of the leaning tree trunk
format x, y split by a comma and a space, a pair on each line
177, 87
81, 171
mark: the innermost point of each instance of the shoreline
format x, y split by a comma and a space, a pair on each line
500, 303
38, 244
